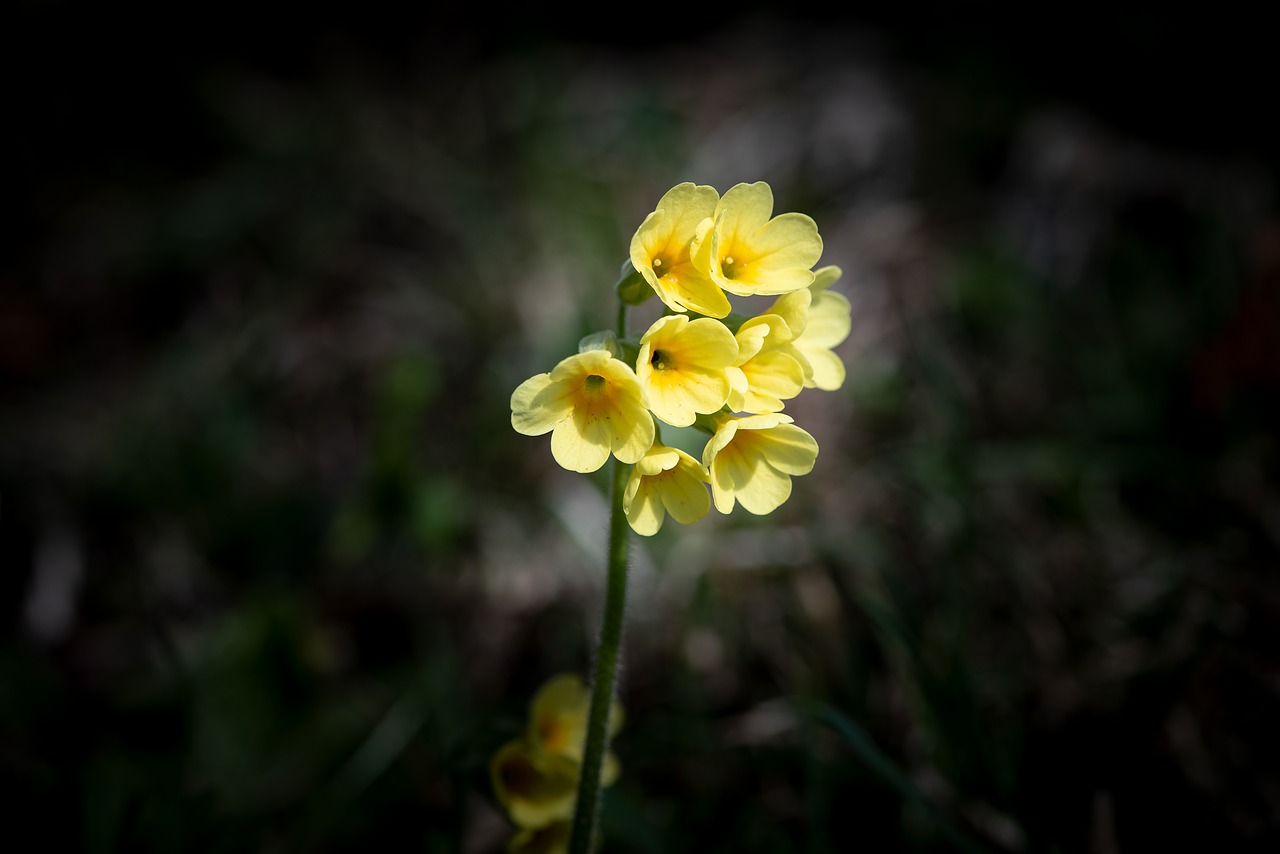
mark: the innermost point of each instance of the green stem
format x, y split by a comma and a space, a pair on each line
586, 813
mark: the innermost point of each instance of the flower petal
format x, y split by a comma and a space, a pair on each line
580, 444
764, 491
686, 498
791, 449
744, 209
645, 512
538, 405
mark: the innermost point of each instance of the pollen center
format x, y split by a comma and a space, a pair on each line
661, 360
726, 266
594, 384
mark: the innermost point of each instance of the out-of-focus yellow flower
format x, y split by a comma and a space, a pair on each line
534, 789
748, 251
592, 404
682, 367
752, 459
666, 480
535, 777
558, 718
769, 369
552, 839
661, 245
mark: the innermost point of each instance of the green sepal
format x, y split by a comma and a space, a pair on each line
710, 424
632, 287
605, 339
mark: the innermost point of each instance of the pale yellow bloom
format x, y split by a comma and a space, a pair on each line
592, 404
661, 245
747, 251
827, 325
819, 320
682, 367
753, 458
769, 369
534, 789
535, 778
666, 480
558, 719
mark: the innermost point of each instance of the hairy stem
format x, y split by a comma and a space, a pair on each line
608, 655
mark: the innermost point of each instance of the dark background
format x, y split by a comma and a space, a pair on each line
279, 576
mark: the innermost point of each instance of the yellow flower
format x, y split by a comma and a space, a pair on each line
592, 404
552, 839
666, 480
824, 323
660, 251
769, 368
535, 790
753, 458
747, 251
558, 719
681, 367
535, 777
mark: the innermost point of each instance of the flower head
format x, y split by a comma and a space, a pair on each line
535, 777
534, 789
682, 367
747, 251
666, 480
592, 404
753, 458
558, 718
660, 250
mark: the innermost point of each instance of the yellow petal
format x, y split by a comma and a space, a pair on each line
789, 240
686, 498
793, 308
825, 277
635, 430
644, 511
743, 209
751, 337
536, 407
827, 370
534, 792
772, 377
791, 449
764, 491
580, 445
829, 321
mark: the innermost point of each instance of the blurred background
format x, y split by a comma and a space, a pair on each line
279, 576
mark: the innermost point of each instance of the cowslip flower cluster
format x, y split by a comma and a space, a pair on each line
701, 363
535, 776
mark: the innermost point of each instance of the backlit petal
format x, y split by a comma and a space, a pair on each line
578, 445
535, 406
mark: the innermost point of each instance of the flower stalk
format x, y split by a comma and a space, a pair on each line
586, 813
